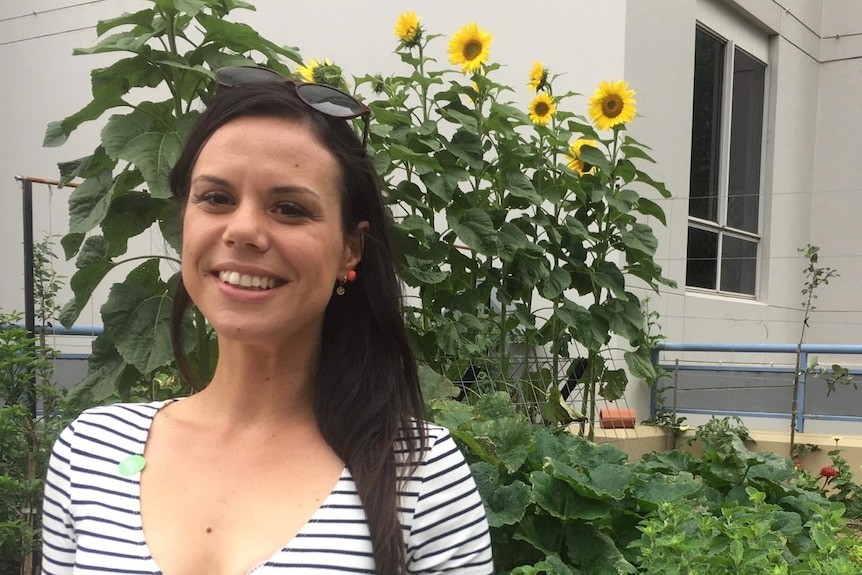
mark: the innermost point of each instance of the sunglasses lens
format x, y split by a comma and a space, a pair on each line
238, 75
330, 101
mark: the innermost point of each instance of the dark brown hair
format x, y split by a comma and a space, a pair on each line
367, 397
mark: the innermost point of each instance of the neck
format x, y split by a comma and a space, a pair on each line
256, 384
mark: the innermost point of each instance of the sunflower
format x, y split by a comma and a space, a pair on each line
307, 71
612, 104
542, 108
538, 77
408, 30
323, 72
469, 47
575, 161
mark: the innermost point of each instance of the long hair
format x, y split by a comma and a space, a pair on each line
367, 399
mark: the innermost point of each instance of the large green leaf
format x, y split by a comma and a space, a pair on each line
557, 497
661, 487
519, 185
609, 276
105, 370
595, 157
147, 139
86, 167
505, 504
467, 147
639, 237
128, 216
595, 552
128, 41
640, 364
434, 385
143, 18
557, 282
611, 479
614, 383
476, 229
543, 532
511, 241
509, 439
137, 318
242, 38
89, 202
83, 282
650, 208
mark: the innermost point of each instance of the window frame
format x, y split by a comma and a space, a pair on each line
720, 226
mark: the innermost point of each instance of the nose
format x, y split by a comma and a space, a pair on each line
246, 227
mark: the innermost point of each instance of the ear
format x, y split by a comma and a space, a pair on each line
354, 244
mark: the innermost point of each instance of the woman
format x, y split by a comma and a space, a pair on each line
306, 452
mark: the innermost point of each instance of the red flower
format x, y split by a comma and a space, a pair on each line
828, 472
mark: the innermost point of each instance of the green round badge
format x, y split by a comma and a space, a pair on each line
132, 465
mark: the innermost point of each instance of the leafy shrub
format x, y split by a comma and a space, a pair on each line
560, 504
748, 538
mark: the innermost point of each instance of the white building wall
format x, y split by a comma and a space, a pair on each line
812, 173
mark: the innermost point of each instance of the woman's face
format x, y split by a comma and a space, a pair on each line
263, 245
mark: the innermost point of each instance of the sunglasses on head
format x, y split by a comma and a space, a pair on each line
325, 99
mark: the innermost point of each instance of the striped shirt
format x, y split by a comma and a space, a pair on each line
92, 512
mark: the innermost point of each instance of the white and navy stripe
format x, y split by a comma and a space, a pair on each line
92, 515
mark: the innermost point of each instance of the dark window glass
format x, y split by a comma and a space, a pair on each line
706, 126
702, 261
738, 265
746, 128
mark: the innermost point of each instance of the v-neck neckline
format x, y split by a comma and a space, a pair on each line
139, 522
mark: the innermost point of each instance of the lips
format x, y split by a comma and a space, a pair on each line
247, 281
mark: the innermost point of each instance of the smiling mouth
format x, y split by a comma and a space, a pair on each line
245, 281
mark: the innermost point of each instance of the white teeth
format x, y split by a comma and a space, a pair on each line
246, 281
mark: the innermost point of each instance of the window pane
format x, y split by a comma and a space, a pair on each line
738, 265
745, 138
702, 260
706, 126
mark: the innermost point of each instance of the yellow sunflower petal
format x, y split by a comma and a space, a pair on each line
575, 162
307, 71
612, 104
542, 108
469, 47
538, 76
407, 28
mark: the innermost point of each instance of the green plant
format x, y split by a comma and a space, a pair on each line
30, 418
520, 228
839, 484
754, 537
171, 48
558, 503
815, 277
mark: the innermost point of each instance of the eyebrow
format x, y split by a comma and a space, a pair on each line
279, 190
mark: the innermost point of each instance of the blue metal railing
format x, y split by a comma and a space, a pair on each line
805, 350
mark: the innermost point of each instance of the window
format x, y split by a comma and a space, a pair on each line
724, 186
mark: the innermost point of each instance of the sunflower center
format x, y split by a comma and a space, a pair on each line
542, 109
612, 106
472, 49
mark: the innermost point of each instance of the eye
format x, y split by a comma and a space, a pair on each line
213, 199
291, 210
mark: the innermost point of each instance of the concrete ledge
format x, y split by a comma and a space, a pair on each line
644, 439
